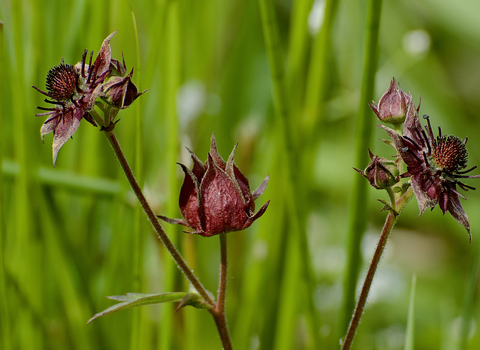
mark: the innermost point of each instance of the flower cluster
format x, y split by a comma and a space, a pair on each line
435, 165
73, 91
215, 196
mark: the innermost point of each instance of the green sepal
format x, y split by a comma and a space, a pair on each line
387, 206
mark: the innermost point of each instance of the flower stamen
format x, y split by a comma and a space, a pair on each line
466, 171
412, 153
426, 160
427, 142
413, 142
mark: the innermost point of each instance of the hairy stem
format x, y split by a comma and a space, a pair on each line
399, 204
352, 328
364, 131
218, 312
181, 263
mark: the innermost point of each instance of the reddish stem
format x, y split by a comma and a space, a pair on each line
181, 263
218, 312
352, 328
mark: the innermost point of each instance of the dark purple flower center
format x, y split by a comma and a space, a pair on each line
450, 154
61, 82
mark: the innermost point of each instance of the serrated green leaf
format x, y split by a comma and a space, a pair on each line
138, 299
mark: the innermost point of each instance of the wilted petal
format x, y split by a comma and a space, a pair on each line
102, 62
425, 201
65, 128
48, 126
410, 154
412, 127
455, 208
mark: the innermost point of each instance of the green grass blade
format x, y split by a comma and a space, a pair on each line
319, 79
139, 223
296, 257
4, 313
171, 53
364, 131
410, 333
469, 299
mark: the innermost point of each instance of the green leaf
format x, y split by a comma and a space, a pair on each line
138, 299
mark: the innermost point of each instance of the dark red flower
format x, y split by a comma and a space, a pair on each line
215, 196
73, 91
436, 165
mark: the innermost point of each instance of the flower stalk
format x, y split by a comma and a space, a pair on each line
162, 235
392, 216
435, 167
218, 312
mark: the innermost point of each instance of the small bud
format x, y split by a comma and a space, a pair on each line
392, 106
381, 172
120, 92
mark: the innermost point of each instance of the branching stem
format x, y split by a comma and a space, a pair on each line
181, 263
217, 309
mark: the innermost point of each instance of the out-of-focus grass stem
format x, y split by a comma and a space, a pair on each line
4, 313
138, 238
318, 73
171, 80
469, 299
364, 130
297, 261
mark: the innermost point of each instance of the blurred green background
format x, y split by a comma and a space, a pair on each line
72, 234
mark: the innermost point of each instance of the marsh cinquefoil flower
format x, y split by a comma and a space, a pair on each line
215, 196
435, 164
73, 91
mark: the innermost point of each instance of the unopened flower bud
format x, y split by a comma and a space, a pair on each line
216, 198
381, 172
392, 106
120, 92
